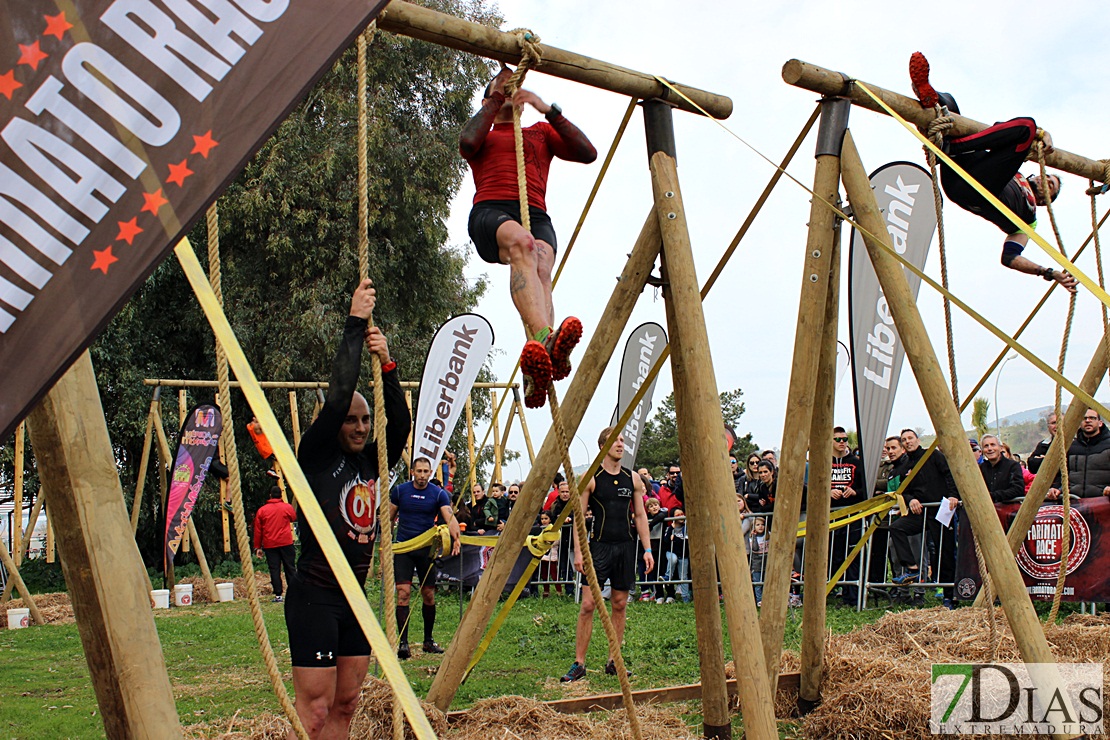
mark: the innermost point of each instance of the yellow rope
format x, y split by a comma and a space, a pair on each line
941, 124
235, 491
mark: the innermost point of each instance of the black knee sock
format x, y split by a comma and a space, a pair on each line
429, 613
403, 622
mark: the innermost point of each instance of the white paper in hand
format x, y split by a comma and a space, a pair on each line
944, 513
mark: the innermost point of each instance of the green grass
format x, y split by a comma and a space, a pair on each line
216, 670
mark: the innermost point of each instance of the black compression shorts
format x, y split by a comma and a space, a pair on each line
486, 217
321, 628
615, 561
420, 562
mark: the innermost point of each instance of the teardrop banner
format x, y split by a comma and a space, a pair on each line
196, 449
120, 123
642, 350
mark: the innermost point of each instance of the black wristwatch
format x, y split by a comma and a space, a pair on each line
556, 110
1048, 274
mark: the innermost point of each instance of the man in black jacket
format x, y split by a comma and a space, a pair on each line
1088, 460
933, 484
329, 652
848, 487
1001, 474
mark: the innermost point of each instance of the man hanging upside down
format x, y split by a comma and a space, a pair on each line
993, 156
487, 144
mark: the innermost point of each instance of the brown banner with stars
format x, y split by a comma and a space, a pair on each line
120, 122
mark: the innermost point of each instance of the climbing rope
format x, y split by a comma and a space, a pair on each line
937, 128
529, 59
988, 591
242, 541
385, 523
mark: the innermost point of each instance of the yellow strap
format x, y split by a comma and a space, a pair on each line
878, 505
852, 555
310, 507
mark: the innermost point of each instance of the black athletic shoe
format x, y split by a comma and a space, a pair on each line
574, 673
403, 652
431, 646
611, 669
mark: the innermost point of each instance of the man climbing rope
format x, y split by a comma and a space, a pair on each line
415, 505
329, 652
616, 497
487, 144
993, 156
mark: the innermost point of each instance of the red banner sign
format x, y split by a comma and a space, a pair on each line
1040, 553
120, 122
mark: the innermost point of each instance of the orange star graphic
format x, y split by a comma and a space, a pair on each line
153, 201
8, 84
178, 173
56, 25
103, 259
128, 230
31, 55
204, 144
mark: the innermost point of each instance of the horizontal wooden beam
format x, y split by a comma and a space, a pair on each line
828, 82
607, 702
447, 30
293, 384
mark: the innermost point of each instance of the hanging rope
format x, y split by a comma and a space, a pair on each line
530, 57
938, 127
235, 491
988, 591
385, 523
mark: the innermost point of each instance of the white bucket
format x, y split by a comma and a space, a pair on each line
183, 594
226, 591
19, 618
160, 598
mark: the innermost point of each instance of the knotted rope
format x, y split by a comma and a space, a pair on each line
988, 601
530, 58
1099, 189
235, 491
385, 523
936, 130
1065, 494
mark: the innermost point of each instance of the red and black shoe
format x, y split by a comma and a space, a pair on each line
560, 343
919, 80
535, 369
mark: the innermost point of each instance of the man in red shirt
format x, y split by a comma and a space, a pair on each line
274, 536
487, 144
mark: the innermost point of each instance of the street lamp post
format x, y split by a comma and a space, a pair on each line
998, 375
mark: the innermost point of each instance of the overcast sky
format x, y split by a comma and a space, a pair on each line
1001, 60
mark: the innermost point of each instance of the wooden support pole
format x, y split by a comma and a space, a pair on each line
456, 33
496, 438
827, 82
32, 520
590, 368
8, 564
295, 420
17, 484
1066, 429
803, 382
473, 478
1008, 584
144, 461
711, 510
819, 499
410, 446
224, 503
49, 534
508, 428
100, 559
523, 424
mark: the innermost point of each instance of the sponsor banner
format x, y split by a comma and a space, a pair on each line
457, 353
1039, 556
120, 122
196, 448
904, 194
641, 352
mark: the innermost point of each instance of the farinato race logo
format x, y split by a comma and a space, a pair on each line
1016, 699
1039, 555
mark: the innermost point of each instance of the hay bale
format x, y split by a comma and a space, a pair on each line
55, 608
374, 716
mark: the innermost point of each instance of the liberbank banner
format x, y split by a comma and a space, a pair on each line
904, 193
120, 122
642, 350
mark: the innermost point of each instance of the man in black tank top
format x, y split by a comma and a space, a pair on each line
617, 498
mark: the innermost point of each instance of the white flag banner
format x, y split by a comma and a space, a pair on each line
904, 193
458, 351
641, 352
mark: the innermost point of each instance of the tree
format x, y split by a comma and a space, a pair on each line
659, 441
288, 238
980, 407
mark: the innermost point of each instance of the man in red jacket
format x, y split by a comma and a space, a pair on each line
274, 536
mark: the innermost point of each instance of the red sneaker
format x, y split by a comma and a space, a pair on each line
560, 343
535, 369
919, 80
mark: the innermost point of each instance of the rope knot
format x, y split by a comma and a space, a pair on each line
530, 57
1100, 189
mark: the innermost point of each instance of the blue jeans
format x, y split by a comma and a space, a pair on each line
757, 577
678, 569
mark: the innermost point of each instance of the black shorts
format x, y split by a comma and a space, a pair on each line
486, 217
419, 562
615, 561
321, 627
